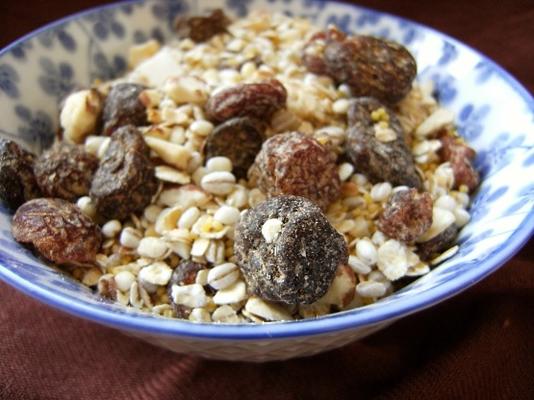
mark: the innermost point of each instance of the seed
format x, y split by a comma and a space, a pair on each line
219, 163
446, 202
152, 247
345, 170
441, 220
340, 106
200, 315
200, 246
130, 238
462, 216
231, 294
227, 215
86, 205
266, 310
225, 314
188, 218
124, 280
111, 228
370, 289
201, 127
271, 229
366, 251
151, 213
381, 191
222, 276
219, 182
358, 266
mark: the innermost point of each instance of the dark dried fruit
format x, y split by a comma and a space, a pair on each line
200, 29
185, 273
65, 171
293, 163
460, 157
372, 67
407, 215
58, 230
124, 183
294, 264
313, 54
123, 107
256, 100
17, 181
239, 139
380, 161
433, 247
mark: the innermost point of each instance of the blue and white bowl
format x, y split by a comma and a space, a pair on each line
495, 115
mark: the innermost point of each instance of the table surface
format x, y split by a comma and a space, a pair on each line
477, 345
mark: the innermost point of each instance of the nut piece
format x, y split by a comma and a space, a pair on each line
299, 264
342, 290
369, 66
407, 215
293, 163
266, 311
200, 29
124, 183
433, 247
381, 161
65, 171
460, 156
80, 115
123, 107
17, 181
238, 139
257, 100
58, 230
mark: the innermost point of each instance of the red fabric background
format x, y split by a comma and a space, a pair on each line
478, 345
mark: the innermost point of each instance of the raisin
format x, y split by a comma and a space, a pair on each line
313, 54
200, 29
294, 263
407, 215
58, 230
372, 67
382, 161
17, 181
433, 247
123, 107
125, 182
185, 273
460, 157
239, 139
293, 163
65, 171
257, 100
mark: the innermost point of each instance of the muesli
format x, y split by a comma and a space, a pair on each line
249, 171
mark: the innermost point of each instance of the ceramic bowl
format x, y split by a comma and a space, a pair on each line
494, 111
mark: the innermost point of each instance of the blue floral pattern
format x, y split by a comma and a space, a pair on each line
36, 128
105, 25
60, 34
168, 10
8, 81
37, 73
56, 80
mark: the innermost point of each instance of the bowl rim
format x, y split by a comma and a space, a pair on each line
350, 319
